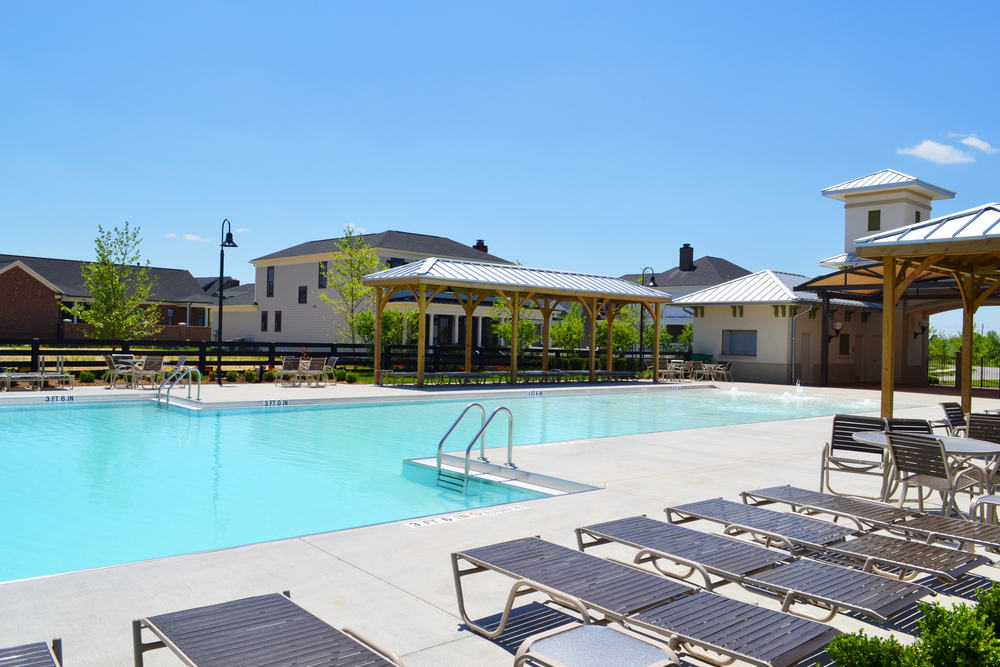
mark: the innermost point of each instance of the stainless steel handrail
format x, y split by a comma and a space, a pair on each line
482, 447
180, 372
482, 434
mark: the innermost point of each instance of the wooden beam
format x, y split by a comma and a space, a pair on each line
546, 311
984, 295
611, 313
954, 247
656, 343
888, 335
593, 339
377, 361
421, 295
913, 274
515, 312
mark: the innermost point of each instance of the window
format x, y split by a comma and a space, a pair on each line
916, 216
263, 320
874, 221
270, 281
170, 317
396, 261
199, 317
277, 320
322, 275
845, 345
302, 294
739, 343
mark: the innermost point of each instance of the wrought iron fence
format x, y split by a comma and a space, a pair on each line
941, 369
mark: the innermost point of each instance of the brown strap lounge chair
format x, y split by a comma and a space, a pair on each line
928, 527
765, 571
843, 454
263, 631
32, 655
875, 552
696, 621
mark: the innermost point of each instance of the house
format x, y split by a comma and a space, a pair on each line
285, 304
33, 288
689, 276
773, 323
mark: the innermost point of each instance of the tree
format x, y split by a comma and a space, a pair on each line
527, 334
351, 262
686, 337
398, 326
119, 286
626, 332
665, 339
567, 333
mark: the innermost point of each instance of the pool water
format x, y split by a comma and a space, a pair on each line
84, 486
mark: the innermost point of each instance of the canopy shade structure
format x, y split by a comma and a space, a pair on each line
473, 282
962, 247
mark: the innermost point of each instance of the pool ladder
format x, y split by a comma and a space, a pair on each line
455, 481
179, 373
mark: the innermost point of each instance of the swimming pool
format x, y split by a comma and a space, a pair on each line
85, 485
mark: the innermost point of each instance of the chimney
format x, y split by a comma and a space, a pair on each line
687, 258
481, 246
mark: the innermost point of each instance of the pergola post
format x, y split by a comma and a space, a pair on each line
421, 332
546, 311
593, 339
888, 334
611, 312
824, 342
377, 361
515, 312
656, 342
966, 285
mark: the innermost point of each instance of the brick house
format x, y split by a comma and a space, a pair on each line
32, 289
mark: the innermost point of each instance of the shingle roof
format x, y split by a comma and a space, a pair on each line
435, 246
883, 180
707, 271
765, 287
512, 277
241, 295
173, 285
977, 223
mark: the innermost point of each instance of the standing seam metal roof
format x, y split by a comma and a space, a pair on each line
981, 222
764, 287
886, 178
508, 276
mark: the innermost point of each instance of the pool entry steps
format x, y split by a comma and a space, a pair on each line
458, 480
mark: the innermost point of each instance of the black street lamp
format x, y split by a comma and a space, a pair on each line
642, 316
227, 242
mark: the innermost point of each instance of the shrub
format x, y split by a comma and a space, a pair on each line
194, 375
232, 376
961, 635
988, 604
270, 376
933, 379
341, 375
249, 375
211, 375
351, 377
86, 377
857, 650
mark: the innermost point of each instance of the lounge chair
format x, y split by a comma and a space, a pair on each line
765, 571
954, 418
290, 369
590, 644
315, 370
59, 376
268, 630
28, 378
697, 621
843, 454
874, 552
33, 655
928, 527
150, 369
923, 462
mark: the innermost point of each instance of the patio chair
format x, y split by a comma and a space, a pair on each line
843, 454
266, 630
723, 372
764, 571
954, 419
315, 370
900, 425
986, 427
923, 462
331, 364
290, 369
33, 655
116, 369
150, 369
875, 553
697, 621
882, 516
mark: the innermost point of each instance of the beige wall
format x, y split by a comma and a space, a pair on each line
898, 208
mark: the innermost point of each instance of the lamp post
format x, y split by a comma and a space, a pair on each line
227, 242
642, 316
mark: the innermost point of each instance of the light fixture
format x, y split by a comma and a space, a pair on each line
837, 327
227, 243
923, 324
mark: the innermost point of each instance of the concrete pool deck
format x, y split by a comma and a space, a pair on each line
393, 582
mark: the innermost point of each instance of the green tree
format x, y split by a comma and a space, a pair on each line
686, 337
119, 286
527, 333
398, 327
351, 262
665, 339
626, 332
567, 333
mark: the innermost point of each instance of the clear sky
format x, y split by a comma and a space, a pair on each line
594, 137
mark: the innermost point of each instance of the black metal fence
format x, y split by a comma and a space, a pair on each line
79, 355
941, 369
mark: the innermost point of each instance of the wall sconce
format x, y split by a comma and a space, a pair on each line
837, 327
923, 324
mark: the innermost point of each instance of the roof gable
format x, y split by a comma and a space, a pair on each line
707, 271
424, 244
765, 287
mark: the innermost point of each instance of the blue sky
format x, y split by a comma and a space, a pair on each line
594, 137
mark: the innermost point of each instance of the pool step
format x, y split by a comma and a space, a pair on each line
453, 481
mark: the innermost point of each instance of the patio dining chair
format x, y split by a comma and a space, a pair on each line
116, 369
954, 419
150, 369
723, 372
923, 462
987, 427
289, 375
314, 371
330, 366
843, 454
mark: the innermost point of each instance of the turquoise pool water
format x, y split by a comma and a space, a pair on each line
85, 486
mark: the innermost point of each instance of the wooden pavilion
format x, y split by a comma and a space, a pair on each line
955, 257
472, 282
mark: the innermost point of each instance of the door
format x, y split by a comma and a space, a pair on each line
805, 359
859, 359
